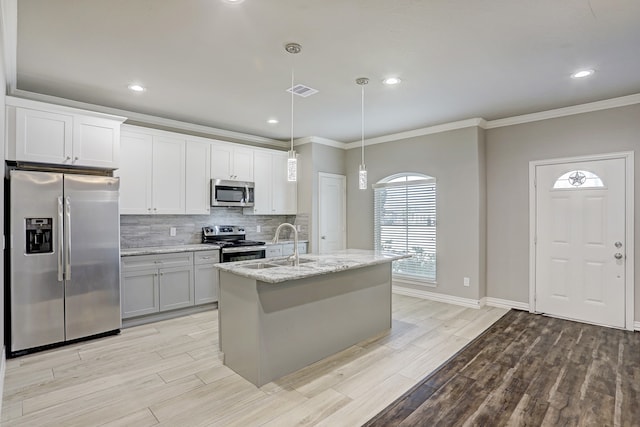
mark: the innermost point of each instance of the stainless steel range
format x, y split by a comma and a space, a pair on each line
232, 242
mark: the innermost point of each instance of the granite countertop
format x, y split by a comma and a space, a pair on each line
284, 241
310, 265
155, 250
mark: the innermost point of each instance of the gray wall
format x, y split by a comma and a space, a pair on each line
454, 159
509, 151
3, 85
313, 159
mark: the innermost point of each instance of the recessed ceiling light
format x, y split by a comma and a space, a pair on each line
233, 1
272, 121
391, 81
136, 88
582, 74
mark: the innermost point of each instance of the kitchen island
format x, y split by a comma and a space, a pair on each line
275, 318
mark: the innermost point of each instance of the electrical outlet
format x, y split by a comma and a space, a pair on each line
258, 229
172, 231
299, 227
466, 281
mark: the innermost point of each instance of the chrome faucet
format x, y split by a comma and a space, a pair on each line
295, 257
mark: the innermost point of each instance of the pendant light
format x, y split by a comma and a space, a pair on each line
362, 171
292, 160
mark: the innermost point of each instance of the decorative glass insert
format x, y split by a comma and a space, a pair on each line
579, 179
405, 222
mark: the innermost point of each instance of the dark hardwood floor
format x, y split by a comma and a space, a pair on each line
530, 370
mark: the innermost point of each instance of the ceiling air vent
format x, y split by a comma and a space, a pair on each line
302, 90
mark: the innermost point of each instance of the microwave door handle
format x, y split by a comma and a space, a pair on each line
246, 193
60, 239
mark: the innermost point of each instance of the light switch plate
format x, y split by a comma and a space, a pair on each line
172, 231
258, 229
467, 281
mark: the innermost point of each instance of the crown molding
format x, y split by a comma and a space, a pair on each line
146, 119
461, 124
606, 104
319, 140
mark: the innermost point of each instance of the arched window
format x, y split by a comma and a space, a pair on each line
405, 222
578, 179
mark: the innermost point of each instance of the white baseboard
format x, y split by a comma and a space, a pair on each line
636, 326
434, 296
505, 303
3, 368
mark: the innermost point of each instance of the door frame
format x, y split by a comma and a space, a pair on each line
343, 178
629, 230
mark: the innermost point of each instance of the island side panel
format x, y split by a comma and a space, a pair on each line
303, 321
238, 328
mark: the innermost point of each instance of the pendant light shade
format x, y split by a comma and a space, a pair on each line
292, 160
362, 170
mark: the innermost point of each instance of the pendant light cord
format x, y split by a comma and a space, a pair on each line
362, 118
292, 75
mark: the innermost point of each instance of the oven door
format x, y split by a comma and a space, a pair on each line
242, 253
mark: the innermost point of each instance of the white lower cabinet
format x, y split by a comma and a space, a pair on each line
156, 283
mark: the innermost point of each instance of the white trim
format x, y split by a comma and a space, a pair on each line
628, 156
445, 127
319, 140
3, 370
606, 104
636, 326
316, 232
504, 303
142, 119
434, 296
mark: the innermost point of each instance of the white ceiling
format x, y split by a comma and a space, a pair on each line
224, 66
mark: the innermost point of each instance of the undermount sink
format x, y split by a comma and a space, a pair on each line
260, 265
287, 262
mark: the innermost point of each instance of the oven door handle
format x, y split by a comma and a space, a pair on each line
237, 249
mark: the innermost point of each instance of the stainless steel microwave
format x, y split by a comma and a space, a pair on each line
231, 193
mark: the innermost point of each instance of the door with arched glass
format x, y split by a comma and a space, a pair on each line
580, 241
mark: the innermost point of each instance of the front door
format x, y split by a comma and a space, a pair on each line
580, 241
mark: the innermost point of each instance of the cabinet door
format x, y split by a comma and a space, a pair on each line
206, 283
96, 142
43, 137
262, 173
168, 176
176, 288
140, 293
135, 174
284, 193
221, 158
243, 164
197, 178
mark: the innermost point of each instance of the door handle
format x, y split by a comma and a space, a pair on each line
67, 265
323, 237
60, 239
618, 255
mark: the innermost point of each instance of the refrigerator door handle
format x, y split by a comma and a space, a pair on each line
67, 226
60, 239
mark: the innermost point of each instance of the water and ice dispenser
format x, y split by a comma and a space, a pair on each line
39, 235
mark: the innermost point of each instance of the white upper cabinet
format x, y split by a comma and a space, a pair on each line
274, 195
46, 133
230, 162
198, 177
135, 173
168, 166
152, 174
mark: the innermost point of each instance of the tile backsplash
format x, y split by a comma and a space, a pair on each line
138, 231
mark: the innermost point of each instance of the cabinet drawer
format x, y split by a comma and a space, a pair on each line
144, 262
206, 257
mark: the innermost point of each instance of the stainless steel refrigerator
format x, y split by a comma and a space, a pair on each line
64, 258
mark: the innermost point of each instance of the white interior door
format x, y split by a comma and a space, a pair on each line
332, 212
580, 241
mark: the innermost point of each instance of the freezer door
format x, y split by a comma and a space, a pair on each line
92, 267
36, 283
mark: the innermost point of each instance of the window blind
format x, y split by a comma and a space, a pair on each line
405, 222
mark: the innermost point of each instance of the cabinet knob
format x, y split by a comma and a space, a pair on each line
155, 209
75, 159
68, 158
